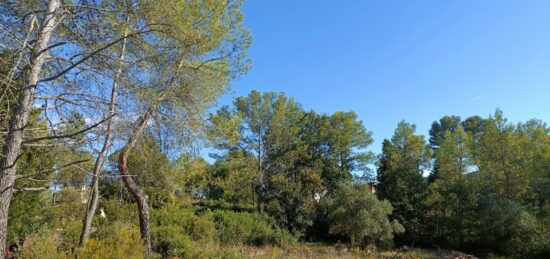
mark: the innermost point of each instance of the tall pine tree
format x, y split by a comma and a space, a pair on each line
402, 163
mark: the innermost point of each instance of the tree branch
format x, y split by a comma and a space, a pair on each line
90, 55
51, 170
70, 134
30, 189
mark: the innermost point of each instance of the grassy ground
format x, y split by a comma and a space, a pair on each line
318, 251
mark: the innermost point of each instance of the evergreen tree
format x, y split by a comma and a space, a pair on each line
337, 146
452, 196
499, 157
439, 129
534, 138
401, 165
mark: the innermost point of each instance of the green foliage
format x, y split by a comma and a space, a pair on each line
42, 245
452, 196
292, 203
400, 170
247, 228
152, 171
473, 125
175, 230
170, 242
265, 126
285, 155
116, 212
69, 210
191, 176
453, 157
70, 202
499, 158
506, 228
35, 216
534, 139
73, 176
28, 212
453, 206
200, 45
124, 242
233, 178
32, 211
336, 144
478, 199
527, 239
180, 219
441, 127
356, 213
284, 170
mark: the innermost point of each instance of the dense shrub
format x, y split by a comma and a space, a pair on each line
63, 221
41, 245
358, 214
119, 211
184, 220
69, 235
170, 242
124, 243
504, 227
175, 230
247, 228
527, 240
203, 205
30, 211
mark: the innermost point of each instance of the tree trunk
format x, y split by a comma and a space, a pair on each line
94, 195
139, 196
19, 119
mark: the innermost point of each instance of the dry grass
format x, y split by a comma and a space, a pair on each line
316, 251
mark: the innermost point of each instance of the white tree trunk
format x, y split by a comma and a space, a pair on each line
19, 118
94, 195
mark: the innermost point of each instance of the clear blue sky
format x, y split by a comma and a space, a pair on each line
412, 60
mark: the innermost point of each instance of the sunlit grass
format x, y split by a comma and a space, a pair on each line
312, 250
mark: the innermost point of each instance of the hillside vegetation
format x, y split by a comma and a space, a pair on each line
112, 148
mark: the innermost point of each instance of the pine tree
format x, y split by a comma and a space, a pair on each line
400, 172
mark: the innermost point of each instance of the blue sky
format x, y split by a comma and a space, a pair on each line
412, 60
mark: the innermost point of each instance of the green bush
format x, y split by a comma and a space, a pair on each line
124, 243
247, 228
175, 230
41, 245
170, 242
356, 213
69, 235
506, 228
29, 211
118, 211
180, 219
527, 240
